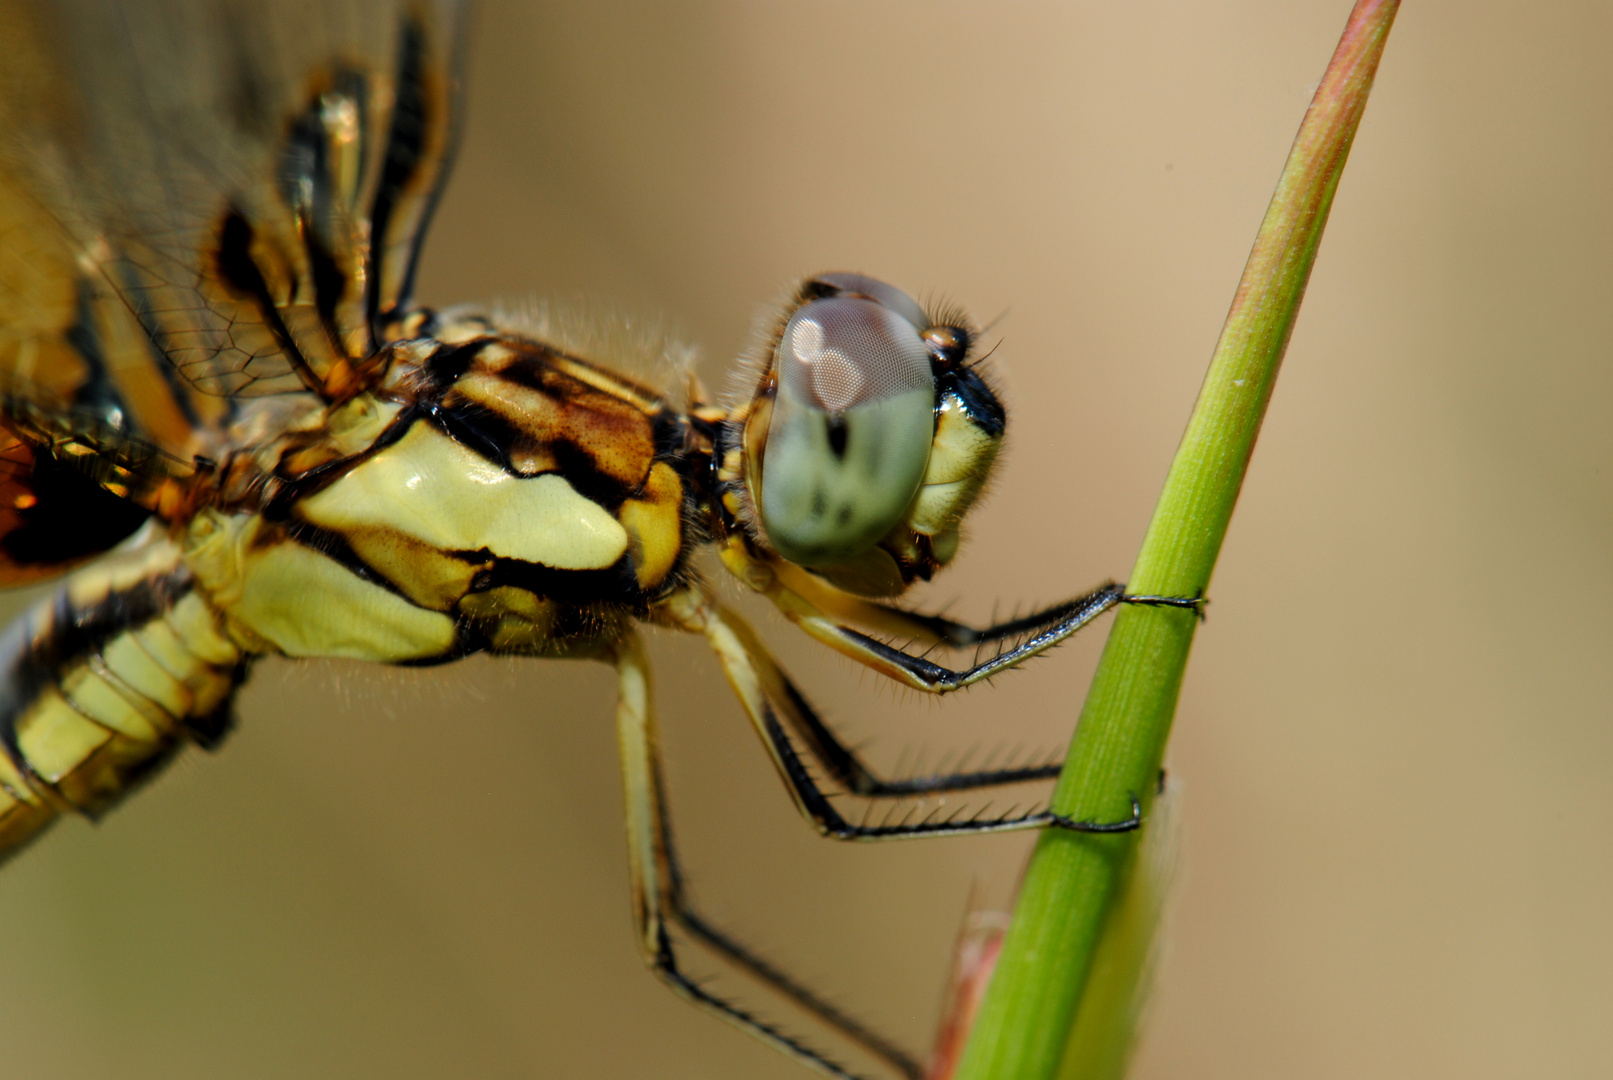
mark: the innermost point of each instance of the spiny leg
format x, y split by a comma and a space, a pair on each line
821, 611
760, 685
829, 601
847, 768
802, 595
719, 940
659, 895
923, 674
837, 759
961, 635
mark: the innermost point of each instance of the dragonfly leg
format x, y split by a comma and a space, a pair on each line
798, 592
823, 611
958, 635
846, 767
1063, 621
764, 692
839, 761
660, 900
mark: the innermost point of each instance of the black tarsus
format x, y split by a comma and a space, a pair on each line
1196, 604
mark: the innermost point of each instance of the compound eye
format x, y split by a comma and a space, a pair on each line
850, 434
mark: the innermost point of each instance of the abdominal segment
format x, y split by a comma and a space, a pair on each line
102, 684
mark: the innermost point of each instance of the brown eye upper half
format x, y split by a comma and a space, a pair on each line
842, 351
851, 424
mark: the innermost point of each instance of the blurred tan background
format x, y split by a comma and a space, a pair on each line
1396, 737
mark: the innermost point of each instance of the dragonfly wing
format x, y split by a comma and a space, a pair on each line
202, 203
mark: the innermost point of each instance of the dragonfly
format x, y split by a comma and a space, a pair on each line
225, 424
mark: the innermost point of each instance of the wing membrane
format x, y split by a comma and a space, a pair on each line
206, 202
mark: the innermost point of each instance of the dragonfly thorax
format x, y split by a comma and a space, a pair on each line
493, 493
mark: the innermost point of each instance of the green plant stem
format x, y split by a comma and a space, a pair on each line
1028, 1011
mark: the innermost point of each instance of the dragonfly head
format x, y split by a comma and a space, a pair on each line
869, 435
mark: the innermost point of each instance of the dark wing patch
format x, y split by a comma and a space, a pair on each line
206, 202
420, 148
52, 515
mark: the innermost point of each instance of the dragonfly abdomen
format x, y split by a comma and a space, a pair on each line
102, 683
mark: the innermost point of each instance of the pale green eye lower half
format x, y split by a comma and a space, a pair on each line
850, 434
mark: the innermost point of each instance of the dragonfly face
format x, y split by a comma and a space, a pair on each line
873, 432
206, 254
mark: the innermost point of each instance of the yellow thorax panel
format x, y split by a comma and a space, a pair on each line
278, 596
430, 489
654, 524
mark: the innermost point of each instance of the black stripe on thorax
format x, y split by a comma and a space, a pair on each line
677, 444
335, 547
614, 584
302, 485
448, 362
491, 436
